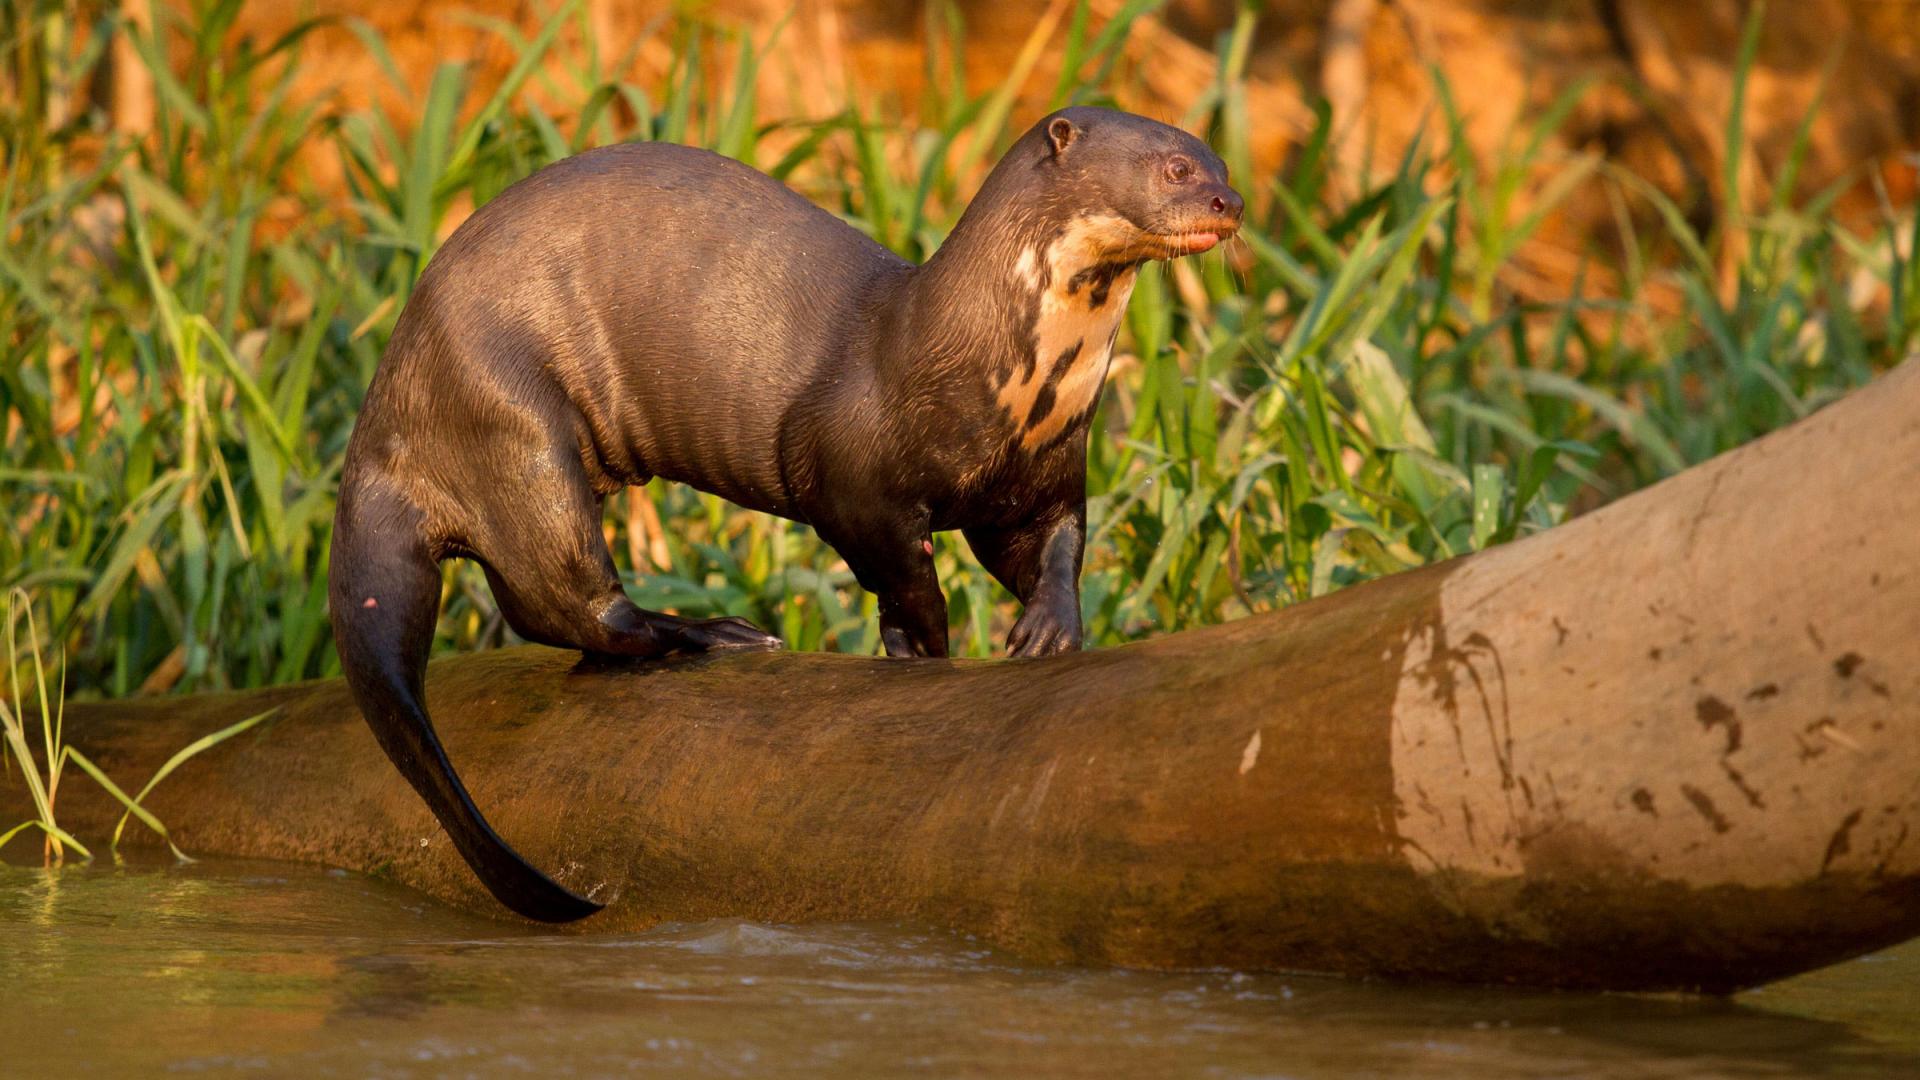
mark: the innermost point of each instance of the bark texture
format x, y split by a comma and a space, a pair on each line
1672, 744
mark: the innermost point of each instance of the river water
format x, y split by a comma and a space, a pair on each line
268, 969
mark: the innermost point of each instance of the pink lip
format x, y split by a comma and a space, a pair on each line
1195, 243
1189, 243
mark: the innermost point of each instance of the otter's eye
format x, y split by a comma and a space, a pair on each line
1179, 170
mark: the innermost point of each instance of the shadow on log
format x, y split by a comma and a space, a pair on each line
1672, 744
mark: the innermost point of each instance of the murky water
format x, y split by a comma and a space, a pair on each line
271, 969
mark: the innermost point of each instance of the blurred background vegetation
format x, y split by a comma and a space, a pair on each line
1505, 262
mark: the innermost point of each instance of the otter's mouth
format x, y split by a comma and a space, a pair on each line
1196, 240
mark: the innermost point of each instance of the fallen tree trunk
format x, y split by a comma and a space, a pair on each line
1673, 744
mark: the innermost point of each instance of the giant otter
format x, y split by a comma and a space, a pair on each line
653, 310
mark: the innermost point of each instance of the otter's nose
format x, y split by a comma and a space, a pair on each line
1227, 203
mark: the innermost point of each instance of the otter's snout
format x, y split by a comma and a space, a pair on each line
1227, 204
1225, 209
1202, 218
1208, 215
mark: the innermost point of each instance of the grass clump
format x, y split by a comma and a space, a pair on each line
42, 790
188, 327
56, 754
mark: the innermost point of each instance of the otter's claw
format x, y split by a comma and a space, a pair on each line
709, 635
1046, 627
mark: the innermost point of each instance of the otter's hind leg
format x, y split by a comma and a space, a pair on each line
556, 584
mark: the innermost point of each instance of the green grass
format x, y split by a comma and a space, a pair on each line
43, 791
188, 330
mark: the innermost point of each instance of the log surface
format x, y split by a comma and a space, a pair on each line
1672, 744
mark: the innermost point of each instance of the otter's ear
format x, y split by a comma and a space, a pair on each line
1060, 133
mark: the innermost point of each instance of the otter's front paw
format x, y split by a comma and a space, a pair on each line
1050, 624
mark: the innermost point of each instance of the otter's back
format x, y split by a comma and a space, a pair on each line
680, 300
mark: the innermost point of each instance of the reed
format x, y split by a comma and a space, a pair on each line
188, 328
41, 773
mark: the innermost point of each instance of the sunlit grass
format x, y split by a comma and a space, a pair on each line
43, 790
1350, 391
57, 754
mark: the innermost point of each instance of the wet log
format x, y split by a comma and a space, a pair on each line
1672, 744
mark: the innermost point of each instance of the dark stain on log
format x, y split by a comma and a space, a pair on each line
1740, 782
1714, 713
1643, 801
1842, 842
1763, 692
1812, 738
1845, 667
1704, 805
1438, 673
1887, 854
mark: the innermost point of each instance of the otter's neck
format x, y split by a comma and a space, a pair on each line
1030, 303
977, 262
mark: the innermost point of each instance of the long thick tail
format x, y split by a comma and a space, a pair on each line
385, 592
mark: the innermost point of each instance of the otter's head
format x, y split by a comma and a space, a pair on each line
1079, 203
1157, 192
